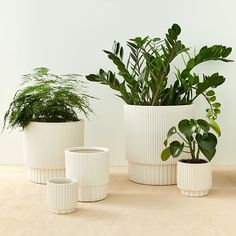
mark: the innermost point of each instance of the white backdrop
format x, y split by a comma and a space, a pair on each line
69, 35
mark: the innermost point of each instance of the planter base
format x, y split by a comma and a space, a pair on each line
152, 174
92, 194
194, 193
41, 176
62, 211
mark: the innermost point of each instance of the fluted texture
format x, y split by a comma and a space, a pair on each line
152, 174
62, 195
44, 145
194, 179
146, 129
91, 169
41, 176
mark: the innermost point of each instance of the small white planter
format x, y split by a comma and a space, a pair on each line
194, 180
90, 166
146, 129
62, 195
44, 146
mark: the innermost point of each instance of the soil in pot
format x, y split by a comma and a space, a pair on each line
190, 161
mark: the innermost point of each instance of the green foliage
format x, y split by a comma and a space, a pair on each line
143, 79
196, 137
46, 97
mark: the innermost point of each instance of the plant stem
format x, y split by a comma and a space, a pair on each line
185, 140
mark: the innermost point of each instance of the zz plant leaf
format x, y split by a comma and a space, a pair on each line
142, 75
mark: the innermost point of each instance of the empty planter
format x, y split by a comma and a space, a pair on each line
90, 166
62, 195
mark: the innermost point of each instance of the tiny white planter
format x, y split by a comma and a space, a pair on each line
90, 166
146, 129
62, 195
44, 146
194, 180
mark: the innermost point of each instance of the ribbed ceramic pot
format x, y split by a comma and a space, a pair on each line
146, 129
90, 167
62, 195
44, 147
194, 180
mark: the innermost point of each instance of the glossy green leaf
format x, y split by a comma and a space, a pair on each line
204, 125
187, 127
171, 131
216, 105
212, 99
210, 93
207, 144
176, 148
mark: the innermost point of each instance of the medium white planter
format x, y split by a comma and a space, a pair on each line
62, 195
146, 128
194, 180
90, 166
44, 146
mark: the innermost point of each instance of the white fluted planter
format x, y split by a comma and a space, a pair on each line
44, 146
90, 167
62, 195
146, 128
194, 180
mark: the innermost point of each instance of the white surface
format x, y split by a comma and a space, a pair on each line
68, 36
91, 170
62, 195
194, 180
146, 129
44, 147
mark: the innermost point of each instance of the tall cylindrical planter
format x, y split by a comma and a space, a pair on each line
146, 128
194, 180
62, 195
44, 146
90, 166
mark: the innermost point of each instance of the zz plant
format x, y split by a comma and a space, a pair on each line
196, 139
142, 78
47, 97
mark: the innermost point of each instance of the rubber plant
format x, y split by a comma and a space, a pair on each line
46, 97
142, 78
196, 139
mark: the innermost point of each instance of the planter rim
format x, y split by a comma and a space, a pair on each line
62, 181
149, 106
81, 148
66, 122
194, 164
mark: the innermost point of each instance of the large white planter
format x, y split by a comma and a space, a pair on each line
194, 180
44, 146
62, 195
146, 128
90, 166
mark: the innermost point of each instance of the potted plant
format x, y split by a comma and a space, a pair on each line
194, 175
154, 100
46, 108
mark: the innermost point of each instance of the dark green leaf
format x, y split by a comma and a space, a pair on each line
204, 125
176, 148
187, 127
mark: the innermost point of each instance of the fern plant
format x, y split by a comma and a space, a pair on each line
46, 97
143, 78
